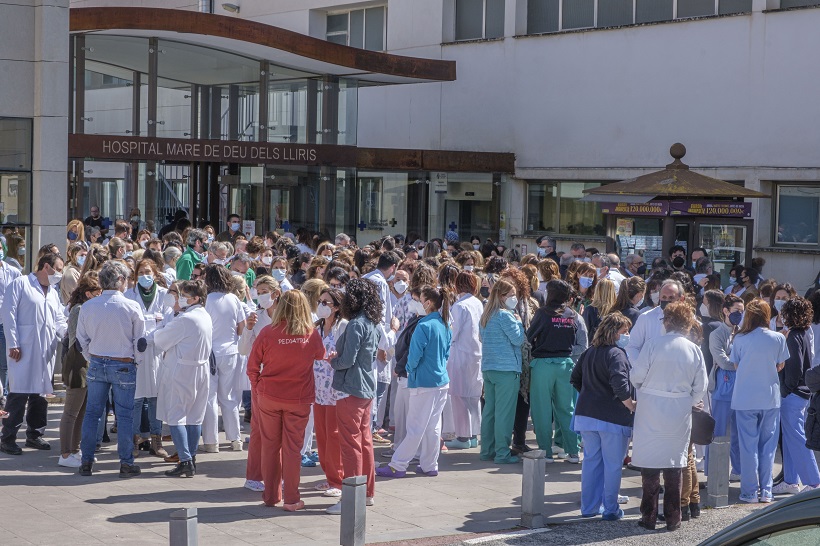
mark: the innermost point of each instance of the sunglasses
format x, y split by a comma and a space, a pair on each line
326, 303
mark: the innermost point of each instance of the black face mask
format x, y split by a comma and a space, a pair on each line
642, 270
485, 292
663, 304
678, 262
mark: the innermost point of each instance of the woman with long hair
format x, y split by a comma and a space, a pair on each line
781, 293
670, 377
584, 282
631, 296
603, 302
758, 354
280, 368
603, 415
799, 464
502, 335
75, 259
75, 232
354, 376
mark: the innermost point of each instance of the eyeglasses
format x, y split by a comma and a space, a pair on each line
194, 277
326, 303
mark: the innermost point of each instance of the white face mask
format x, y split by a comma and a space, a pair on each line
704, 310
323, 311
511, 302
265, 301
169, 300
476, 247
655, 297
400, 287
469, 267
184, 302
267, 260
416, 307
55, 278
778, 304
278, 274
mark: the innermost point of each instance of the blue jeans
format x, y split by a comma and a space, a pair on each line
381, 388
154, 424
757, 432
4, 364
121, 377
604, 454
186, 438
726, 425
246, 400
798, 460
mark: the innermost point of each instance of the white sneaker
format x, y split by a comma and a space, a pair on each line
210, 448
333, 492
784, 488
335, 510
236, 445
254, 485
734, 477
69, 462
370, 501
623, 499
574, 460
556, 450
809, 488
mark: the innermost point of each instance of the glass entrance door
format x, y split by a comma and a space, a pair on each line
726, 243
470, 218
279, 208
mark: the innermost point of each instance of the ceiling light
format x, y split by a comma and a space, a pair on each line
233, 8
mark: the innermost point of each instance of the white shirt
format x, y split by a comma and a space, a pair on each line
170, 274
377, 277
615, 276
110, 325
7, 274
648, 326
226, 313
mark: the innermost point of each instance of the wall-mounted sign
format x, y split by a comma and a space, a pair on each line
106, 147
653, 208
714, 208
439, 182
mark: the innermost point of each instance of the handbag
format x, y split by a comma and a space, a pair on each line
703, 427
724, 384
75, 366
526, 359
212, 363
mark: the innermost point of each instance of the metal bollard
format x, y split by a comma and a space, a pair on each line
717, 482
532, 491
183, 527
354, 511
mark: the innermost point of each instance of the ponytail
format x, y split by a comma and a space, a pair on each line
441, 301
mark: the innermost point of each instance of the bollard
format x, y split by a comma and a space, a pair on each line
532, 491
183, 527
354, 511
717, 483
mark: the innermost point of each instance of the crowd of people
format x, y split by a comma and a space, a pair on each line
429, 346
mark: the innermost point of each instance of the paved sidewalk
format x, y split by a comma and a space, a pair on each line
47, 504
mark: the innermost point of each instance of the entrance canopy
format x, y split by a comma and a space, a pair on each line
676, 181
298, 55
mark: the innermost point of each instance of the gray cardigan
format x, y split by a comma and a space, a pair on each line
719, 347
354, 363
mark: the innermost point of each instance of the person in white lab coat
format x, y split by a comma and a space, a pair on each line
185, 374
7, 274
670, 377
649, 325
150, 297
34, 324
464, 364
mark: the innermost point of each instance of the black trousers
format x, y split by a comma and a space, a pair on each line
36, 416
522, 416
651, 480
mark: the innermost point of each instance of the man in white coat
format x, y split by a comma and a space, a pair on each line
649, 325
7, 274
34, 323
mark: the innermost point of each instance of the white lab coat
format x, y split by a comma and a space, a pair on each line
648, 326
185, 374
149, 361
670, 377
35, 323
464, 364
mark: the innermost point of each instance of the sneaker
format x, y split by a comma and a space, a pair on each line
431, 474
574, 459
809, 488
458, 444
254, 485
236, 445
335, 510
210, 448
560, 455
785, 489
388, 471
314, 456
11, 449
324, 486
370, 501
623, 499
129, 470
556, 450
734, 477
749, 500
332, 492
38, 443
379, 439
473, 442
69, 462
613, 517
549, 460
766, 500
307, 462
85, 469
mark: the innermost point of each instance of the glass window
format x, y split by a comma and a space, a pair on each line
695, 8
805, 535
360, 28
374, 29
734, 6
784, 4
798, 214
15, 144
614, 13
469, 19
651, 11
356, 35
542, 16
556, 207
494, 19
15, 198
578, 14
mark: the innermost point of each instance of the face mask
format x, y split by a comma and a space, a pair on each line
267, 260
704, 310
485, 292
400, 287
54, 278
127, 255
21, 251
639, 303
184, 302
663, 304
219, 262
469, 267
80, 260
265, 301
511, 302
323, 311
694, 264
735, 318
146, 281
678, 262
778, 304
326, 257
206, 245
585, 282
210, 238
623, 341
732, 281
278, 274
655, 297
542, 252
598, 272
72, 236
390, 279
699, 277
416, 307
642, 270
169, 300
476, 247
135, 218
235, 226
143, 243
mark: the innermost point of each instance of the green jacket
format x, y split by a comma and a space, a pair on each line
186, 263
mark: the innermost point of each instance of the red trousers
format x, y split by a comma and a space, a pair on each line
282, 432
253, 471
327, 441
356, 439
